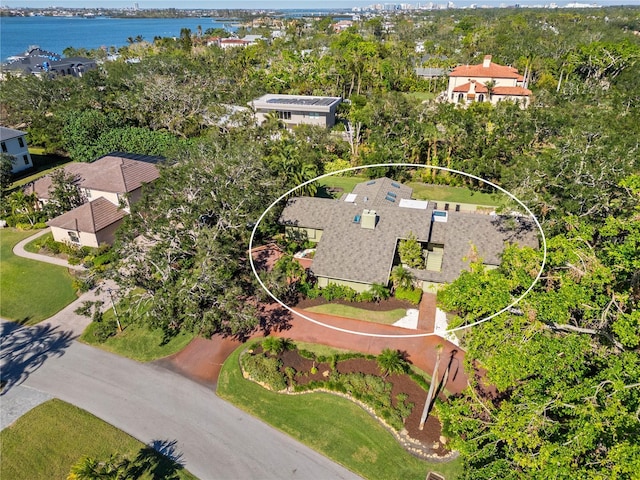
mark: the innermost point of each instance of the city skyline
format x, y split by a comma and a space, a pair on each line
277, 4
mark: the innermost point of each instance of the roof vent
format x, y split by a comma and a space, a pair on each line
368, 219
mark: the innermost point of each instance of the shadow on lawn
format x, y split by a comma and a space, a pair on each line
158, 459
25, 349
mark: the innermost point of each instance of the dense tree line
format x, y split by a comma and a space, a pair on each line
562, 390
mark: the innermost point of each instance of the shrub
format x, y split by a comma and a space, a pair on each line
365, 296
276, 345
24, 226
265, 369
105, 329
413, 295
338, 292
40, 225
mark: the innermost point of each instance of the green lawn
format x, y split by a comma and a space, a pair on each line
136, 341
46, 441
31, 291
331, 425
42, 164
388, 317
421, 191
445, 193
346, 183
421, 96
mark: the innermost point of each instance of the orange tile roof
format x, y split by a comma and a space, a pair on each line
481, 88
90, 217
519, 91
492, 71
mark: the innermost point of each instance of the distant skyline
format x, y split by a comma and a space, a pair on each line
278, 4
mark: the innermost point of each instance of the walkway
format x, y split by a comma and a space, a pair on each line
21, 252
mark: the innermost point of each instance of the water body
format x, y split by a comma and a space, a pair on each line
57, 33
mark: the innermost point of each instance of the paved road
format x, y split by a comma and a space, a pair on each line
215, 439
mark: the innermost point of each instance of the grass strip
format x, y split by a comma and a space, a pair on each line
47, 441
387, 317
331, 425
137, 341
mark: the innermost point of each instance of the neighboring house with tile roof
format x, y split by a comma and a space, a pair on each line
90, 225
14, 143
357, 235
117, 177
110, 184
487, 82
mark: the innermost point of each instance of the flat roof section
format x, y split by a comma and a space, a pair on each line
303, 103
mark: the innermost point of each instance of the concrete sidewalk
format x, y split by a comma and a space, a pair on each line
21, 252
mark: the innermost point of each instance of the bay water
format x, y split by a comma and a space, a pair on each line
57, 33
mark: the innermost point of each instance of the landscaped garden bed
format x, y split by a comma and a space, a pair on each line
393, 395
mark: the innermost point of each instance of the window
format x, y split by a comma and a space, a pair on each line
21, 142
73, 236
461, 97
4, 147
314, 115
283, 115
26, 159
481, 97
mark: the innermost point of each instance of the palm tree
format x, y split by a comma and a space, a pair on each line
391, 361
88, 468
379, 292
276, 345
401, 277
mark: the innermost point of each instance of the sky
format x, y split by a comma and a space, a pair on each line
275, 4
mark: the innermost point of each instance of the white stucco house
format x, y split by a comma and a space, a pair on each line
109, 186
487, 82
14, 143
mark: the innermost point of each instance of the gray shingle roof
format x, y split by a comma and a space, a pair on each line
9, 133
349, 252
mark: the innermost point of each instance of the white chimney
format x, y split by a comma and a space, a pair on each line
472, 87
486, 63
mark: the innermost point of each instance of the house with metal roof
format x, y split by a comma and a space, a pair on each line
487, 82
14, 143
297, 109
357, 235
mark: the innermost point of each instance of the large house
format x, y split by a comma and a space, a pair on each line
357, 235
14, 143
110, 185
487, 82
36, 61
297, 109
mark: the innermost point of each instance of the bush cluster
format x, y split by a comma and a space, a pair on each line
341, 292
412, 295
265, 369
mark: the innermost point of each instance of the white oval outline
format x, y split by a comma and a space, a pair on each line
382, 335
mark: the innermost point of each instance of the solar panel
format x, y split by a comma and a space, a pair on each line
322, 101
395, 185
391, 194
391, 199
